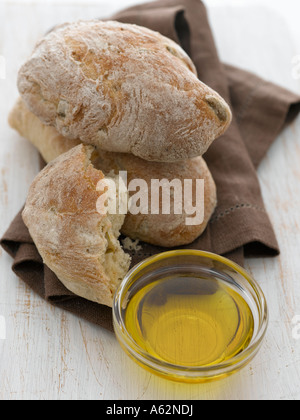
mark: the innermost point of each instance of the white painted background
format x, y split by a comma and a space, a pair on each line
51, 354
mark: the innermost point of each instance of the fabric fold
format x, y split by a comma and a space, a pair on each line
263, 110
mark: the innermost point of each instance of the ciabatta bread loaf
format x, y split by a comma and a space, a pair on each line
167, 230
171, 229
122, 88
75, 241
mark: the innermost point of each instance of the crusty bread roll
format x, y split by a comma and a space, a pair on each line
122, 88
162, 230
165, 230
75, 241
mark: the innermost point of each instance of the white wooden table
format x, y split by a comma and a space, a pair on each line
46, 353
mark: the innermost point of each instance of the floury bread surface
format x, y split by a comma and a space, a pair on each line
122, 88
76, 242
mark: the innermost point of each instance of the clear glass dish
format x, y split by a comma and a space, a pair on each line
179, 264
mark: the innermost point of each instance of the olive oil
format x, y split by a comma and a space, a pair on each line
190, 321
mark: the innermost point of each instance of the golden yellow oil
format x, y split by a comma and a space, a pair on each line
190, 321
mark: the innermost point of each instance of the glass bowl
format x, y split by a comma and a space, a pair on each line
185, 271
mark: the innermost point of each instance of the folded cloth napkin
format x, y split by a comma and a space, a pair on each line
240, 224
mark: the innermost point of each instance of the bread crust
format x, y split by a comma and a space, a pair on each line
76, 242
45, 138
122, 88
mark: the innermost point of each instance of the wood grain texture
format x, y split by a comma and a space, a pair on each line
50, 354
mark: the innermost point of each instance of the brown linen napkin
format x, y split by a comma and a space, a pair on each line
240, 224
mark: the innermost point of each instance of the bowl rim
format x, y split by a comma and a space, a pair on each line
165, 368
